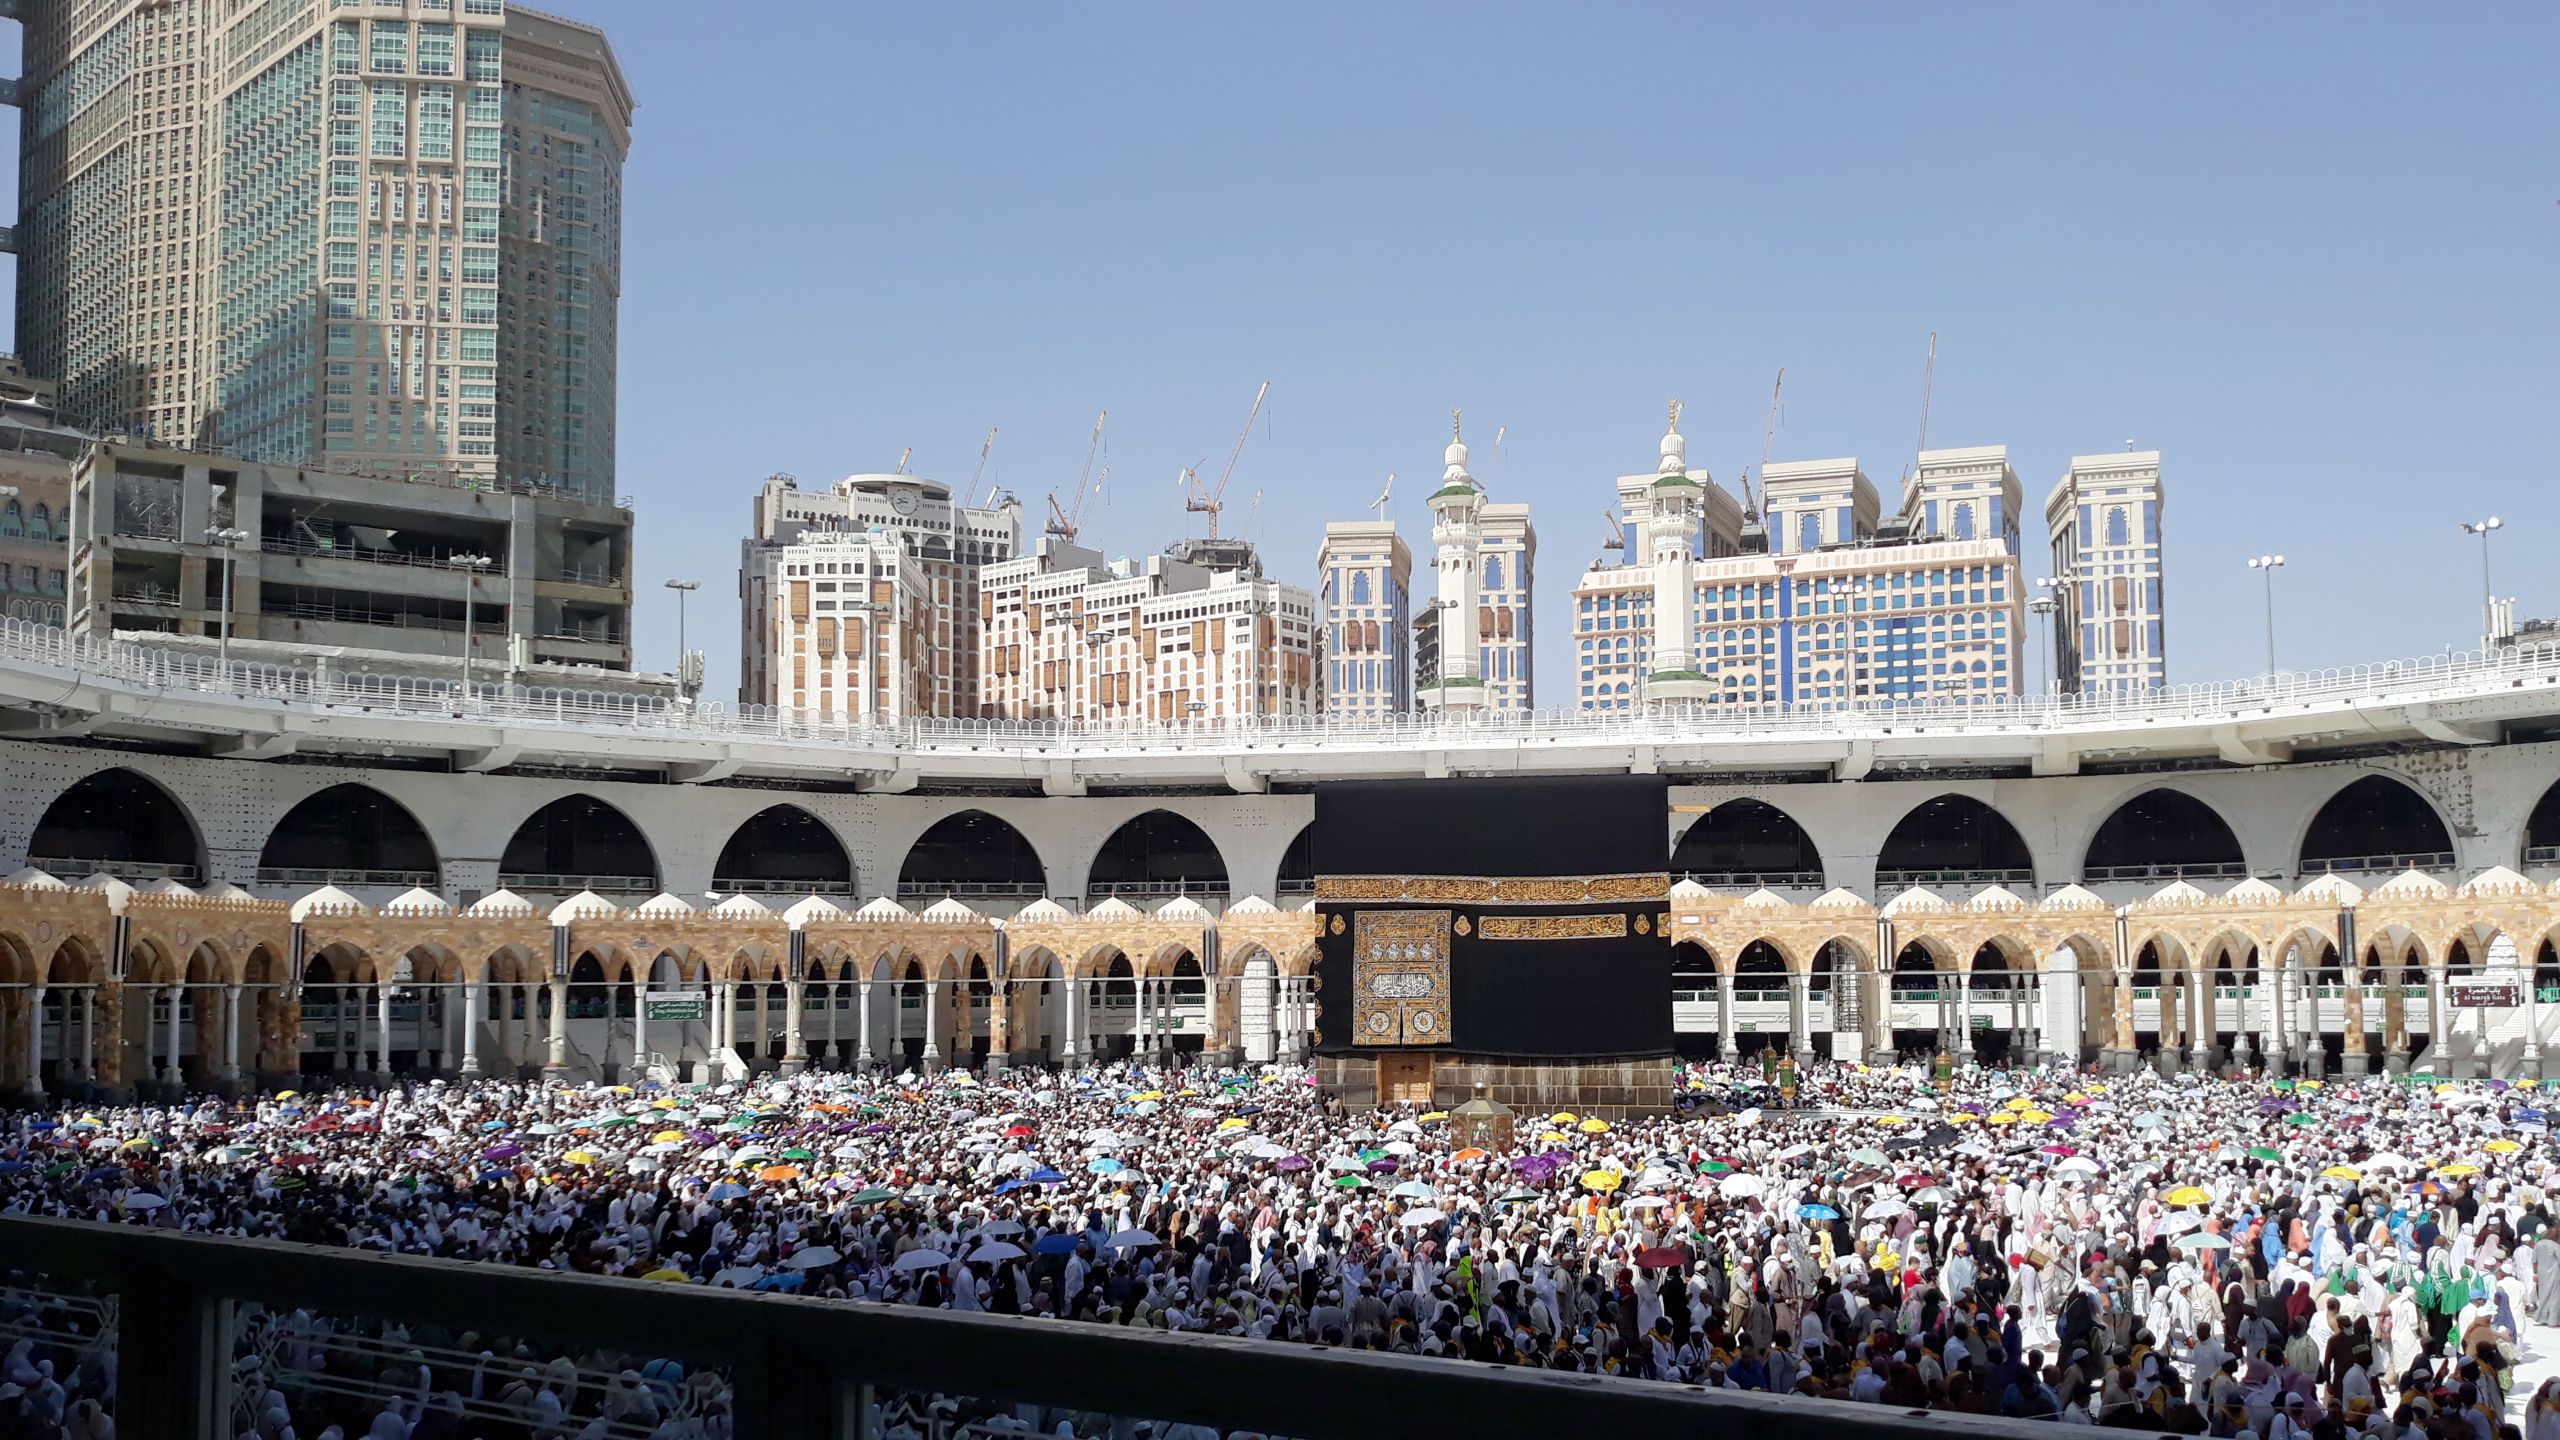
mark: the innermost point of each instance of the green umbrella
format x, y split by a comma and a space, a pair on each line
2299, 1117
1520, 1197
1715, 1167
1349, 1182
872, 1196
796, 1153
2282, 1087
612, 1122
1372, 1154
2264, 1152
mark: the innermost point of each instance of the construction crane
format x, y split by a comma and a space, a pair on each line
1928, 385
1210, 499
1063, 522
980, 473
1385, 496
903, 457
1768, 438
1617, 533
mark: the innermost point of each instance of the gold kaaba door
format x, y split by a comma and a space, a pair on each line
1404, 1079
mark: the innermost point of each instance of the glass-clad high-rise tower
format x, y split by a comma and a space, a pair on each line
378, 235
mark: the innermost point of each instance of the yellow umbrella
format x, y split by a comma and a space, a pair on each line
665, 1104
1594, 1127
2001, 1117
667, 1137
2186, 1195
2097, 1089
137, 1144
1147, 1095
287, 1094
2502, 1147
2458, 1168
1602, 1180
1233, 1122
1893, 1119
2074, 1098
1553, 1138
1562, 1117
580, 1157
2035, 1117
2306, 1084
2527, 1084
2022, 1103
2444, 1089
2341, 1172
1186, 1090
668, 1273
1963, 1117
1435, 1115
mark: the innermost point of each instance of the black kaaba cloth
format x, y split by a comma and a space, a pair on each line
1555, 888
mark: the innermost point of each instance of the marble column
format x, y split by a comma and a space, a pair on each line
1725, 1033
1068, 1054
862, 1057
35, 1042
176, 1074
231, 1033
795, 1054
1963, 1047
932, 1026
555, 1064
382, 1022
472, 996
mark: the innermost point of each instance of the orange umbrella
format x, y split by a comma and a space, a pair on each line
779, 1172
1470, 1153
831, 1109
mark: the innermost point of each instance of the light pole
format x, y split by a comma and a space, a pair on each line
2043, 607
684, 662
2488, 607
2267, 566
229, 541
471, 565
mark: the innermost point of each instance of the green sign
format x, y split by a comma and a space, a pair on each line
696, 1009
1981, 1022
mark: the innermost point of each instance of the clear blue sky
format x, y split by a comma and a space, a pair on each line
2307, 254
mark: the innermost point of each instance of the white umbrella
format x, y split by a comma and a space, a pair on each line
1018, 1160
1887, 1209
1345, 1163
1404, 1127
2203, 1242
143, 1202
1932, 1195
1400, 1148
995, 1250
1422, 1215
2078, 1165
1744, 1187
1412, 1190
643, 1165
1001, 1227
817, 1255
1645, 1202
914, 1260
2387, 1160
2180, 1223
1795, 1152
740, 1276
1129, 1238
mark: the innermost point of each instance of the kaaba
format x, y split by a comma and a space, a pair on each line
1495, 937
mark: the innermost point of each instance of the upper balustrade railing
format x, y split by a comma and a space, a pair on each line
2448, 677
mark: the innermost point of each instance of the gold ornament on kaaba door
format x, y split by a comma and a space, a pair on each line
1400, 977
1466, 926
1337, 924
1644, 924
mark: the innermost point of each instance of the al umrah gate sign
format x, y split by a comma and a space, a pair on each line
694, 1009
2485, 995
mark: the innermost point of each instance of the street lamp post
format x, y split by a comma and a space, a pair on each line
228, 541
2488, 606
2267, 566
471, 565
682, 588
2043, 607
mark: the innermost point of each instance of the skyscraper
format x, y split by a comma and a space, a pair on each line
1485, 557
1363, 578
387, 241
2104, 520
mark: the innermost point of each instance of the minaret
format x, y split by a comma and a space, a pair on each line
1671, 531
1456, 537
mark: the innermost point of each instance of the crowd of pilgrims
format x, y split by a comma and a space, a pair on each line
2232, 1256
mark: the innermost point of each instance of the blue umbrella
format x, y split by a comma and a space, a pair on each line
1044, 1176
1055, 1245
488, 1125
12, 1167
781, 1280
727, 1191
1106, 1166
1817, 1212
1009, 1186
42, 1125
1248, 1109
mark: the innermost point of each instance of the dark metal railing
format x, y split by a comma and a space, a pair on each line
807, 1368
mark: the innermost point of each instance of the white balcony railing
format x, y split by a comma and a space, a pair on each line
146, 668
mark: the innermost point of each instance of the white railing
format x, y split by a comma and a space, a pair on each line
2434, 677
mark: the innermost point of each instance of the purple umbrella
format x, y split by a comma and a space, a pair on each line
2274, 1105
502, 1152
2062, 1122
700, 1137
880, 1127
1386, 1165
1292, 1164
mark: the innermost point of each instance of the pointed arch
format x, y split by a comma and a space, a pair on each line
2377, 823
2542, 829
1157, 853
783, 850
121, 822
1748, 843
1953, 840
2161, 834
349, 835
578, 842
972, 854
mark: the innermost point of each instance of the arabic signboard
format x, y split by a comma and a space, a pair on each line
2486, 995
